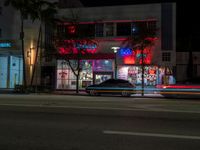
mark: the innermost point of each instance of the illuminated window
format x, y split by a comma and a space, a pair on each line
166, 56
109, 29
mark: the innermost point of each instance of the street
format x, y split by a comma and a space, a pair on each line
54, 122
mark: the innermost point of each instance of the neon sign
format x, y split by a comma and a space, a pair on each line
71, 29
76, 46
5, 45
86, 46
125, 51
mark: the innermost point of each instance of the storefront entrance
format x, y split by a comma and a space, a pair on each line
11, 72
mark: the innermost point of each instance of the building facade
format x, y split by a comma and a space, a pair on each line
105, 34
109, 28
10, 50
185, 68
11, 62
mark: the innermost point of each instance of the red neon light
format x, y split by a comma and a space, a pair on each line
179, 86
129, 60
136, 57
71, 29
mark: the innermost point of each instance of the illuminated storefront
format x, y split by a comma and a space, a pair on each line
153, 75
97, 71
10, 71
93, 71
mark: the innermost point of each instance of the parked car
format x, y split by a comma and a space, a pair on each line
112, 86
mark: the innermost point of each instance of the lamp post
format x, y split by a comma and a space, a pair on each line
115, 49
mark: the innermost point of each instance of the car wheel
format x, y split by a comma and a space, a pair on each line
92, 92
126, 94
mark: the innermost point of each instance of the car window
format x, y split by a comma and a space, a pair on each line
116, 82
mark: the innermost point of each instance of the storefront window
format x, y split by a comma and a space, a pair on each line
3, 71
67, 80
86, 76
16, 73
134, 74
102, 65
65, 77
11, 72
166, 76
153, 75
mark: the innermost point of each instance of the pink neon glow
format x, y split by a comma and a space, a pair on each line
136, 57
69, 47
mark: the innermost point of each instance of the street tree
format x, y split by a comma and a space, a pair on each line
73, 46
36, 10
44, 12
143, 36
23, 6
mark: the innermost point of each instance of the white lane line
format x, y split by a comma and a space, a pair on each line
152, 135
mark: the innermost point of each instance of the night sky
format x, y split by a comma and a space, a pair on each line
188, 34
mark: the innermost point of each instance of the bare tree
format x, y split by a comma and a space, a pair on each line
72, 46
141, 39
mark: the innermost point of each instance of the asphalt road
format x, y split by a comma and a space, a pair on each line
52, 131
36, 122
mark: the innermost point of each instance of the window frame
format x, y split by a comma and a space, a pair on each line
166, 56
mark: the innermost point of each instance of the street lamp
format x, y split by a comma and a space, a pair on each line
115, 49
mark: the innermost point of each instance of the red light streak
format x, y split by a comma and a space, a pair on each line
179, 86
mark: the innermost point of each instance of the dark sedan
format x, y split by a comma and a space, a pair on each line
112, 86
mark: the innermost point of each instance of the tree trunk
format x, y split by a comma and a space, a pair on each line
23, 55
36, 55
78, 74
77, 83
142, 71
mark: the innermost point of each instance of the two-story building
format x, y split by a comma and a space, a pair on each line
111, 52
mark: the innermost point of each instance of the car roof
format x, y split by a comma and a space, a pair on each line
118, 80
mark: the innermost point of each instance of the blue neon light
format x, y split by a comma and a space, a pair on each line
5, 45
85, 46
125, 51
140, 55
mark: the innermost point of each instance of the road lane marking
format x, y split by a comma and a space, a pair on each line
152, 135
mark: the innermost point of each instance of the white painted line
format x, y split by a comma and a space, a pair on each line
152, 135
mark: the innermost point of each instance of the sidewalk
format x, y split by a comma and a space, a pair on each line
83, 93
